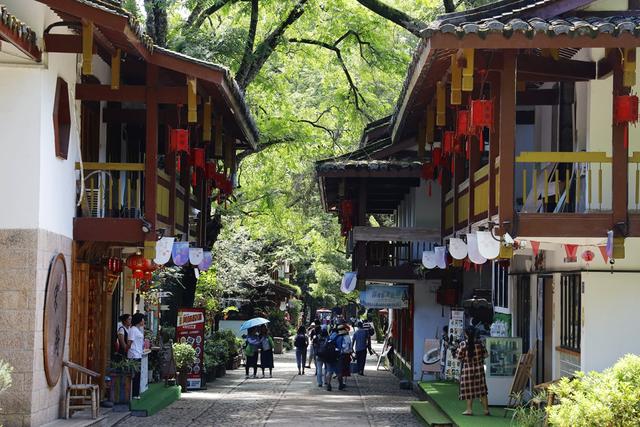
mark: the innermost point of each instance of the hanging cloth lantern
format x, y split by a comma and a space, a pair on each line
441, 256
197, 158
481, 117
474, 253
180, 253
428, 172
625, 111
457, 248
429, 259
488, 246
346, 216
179, 140
587, 256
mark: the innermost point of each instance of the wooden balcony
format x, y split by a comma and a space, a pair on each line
390, 261
113, 206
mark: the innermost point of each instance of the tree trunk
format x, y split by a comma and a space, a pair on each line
398, 17
157, 21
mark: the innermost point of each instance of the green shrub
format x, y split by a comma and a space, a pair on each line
124, 366
609, 398
278, 327
184, 355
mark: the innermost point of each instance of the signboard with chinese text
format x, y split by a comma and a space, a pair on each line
383, 296
190, 330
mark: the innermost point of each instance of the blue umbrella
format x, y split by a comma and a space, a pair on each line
257, 321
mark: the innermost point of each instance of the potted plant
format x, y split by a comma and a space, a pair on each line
184, 355
121, 373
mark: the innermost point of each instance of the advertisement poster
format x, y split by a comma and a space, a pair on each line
190, 330
456, 334
431, 357
383, 296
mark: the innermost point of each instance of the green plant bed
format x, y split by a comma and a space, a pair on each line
155, 398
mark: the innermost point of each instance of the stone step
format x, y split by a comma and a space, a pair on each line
430, 414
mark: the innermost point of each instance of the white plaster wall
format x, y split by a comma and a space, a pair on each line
610, 318
427, 320
427, 209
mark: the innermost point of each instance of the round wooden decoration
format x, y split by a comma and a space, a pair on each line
55, 319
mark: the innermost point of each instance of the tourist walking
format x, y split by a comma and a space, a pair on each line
251, 345
301, 342
266, 351
330, 352
361, 344
135, 340
344, 345
312, 334
319, 340
122, 332
472, 377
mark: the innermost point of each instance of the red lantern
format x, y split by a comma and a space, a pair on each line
436, 156
588, 256
449, 138
179, 140
211, 170
136, 262
625, 109
463, 127
482, 113
346, 214
428, 172
197, 158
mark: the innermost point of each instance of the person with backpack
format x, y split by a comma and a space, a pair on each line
362, 343
343, 342
329, 353
301, 342
122, 333
266, 351
320, 338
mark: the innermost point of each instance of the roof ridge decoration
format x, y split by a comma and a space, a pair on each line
25, 37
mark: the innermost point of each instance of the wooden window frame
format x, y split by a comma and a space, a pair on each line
571, 312
500, 286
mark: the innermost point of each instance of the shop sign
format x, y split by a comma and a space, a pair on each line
383, 296
190, 330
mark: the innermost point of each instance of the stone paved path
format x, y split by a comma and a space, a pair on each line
288, 399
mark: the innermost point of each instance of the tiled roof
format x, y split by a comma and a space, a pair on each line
369, 165
20, 30
363, 153
572, 26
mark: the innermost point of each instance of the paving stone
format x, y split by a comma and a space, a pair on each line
289, 399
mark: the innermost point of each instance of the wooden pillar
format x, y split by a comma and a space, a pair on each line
171, 170
507, 135
361, 219
620, 153
494, 147
151, 157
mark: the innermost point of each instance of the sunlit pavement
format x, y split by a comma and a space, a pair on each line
289, 399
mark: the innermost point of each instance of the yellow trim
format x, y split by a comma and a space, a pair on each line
87, 48
463, 185
162, 174
192, 106
635, 157
448, 215
162, 200
481, 198
463, 207
95, 166
179, 211
206, 121
467, 71
563, 157
481, 173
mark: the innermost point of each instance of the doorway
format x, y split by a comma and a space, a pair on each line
544, 329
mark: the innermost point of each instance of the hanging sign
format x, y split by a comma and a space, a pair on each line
474, 252
429, 259
383, 296
207, 259
180, 253
457, 248
190, 330
196, 256
349, 281
163, 250
488, 246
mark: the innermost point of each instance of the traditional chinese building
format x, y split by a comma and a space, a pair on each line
111, 142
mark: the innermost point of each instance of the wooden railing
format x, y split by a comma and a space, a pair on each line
395, 254
553, 182
112, 190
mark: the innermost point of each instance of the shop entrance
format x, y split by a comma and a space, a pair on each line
544, 328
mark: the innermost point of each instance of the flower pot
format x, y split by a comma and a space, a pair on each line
120, 388
211, 375
220, 371
182, 380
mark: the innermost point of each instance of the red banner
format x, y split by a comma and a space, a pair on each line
190, 330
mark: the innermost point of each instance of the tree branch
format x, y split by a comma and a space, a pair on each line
266, 144
398, 17
251, 38
357, 96
198, 15
267, 46
333, 134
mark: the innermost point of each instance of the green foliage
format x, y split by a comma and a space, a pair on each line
295, 309
125, 366
5, 376
530, 414
168, 333
184, 355
278, 326
220, 347
609, 398
208, 292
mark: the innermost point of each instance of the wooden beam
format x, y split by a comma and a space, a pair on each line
538, 97
63, 43
507, 134
563, 224
620, 152
394, 234
30, 49
164, 95
125, 230
405, 172
151, 150
130, 167
541, 41
553, 69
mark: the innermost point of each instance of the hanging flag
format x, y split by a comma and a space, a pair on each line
206, 261
571, 252
488, 246
349, 281
163, 250
429, 259
441, 256
603, 252
610, 243
180, 253
457, 248
474, 253
535, 246
195, 256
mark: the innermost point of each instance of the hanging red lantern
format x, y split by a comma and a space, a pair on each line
136, 262
346, 215
197, 158
463, 127
436, 156
588, 255
428, 172
179, 140
482, 113
211, 170
449, 138
625, 111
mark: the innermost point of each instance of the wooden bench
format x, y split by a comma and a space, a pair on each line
81, 391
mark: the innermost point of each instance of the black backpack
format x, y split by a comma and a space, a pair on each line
300, 341
328, 351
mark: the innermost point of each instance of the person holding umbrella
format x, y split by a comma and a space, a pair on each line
266, 354
251, 346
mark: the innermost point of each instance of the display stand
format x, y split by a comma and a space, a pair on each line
144, 371
501, 365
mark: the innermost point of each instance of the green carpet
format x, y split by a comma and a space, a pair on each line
155, 398
445, 395
429, 414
